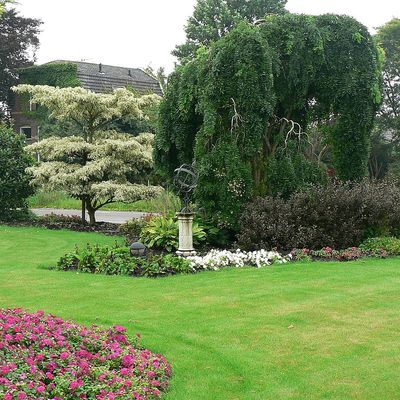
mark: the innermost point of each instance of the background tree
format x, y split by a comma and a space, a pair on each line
18, 42
100, 166
14, 180
243, 109
212, 19
386, 144
158, 74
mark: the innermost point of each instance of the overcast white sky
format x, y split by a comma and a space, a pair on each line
136, 33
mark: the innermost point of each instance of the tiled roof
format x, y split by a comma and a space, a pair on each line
104, 78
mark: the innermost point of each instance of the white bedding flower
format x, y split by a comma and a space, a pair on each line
217, 259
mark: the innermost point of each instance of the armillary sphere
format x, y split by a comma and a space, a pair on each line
186, 179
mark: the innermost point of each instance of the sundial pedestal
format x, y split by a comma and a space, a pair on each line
185, 220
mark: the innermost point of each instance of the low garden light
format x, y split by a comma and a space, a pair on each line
138, 249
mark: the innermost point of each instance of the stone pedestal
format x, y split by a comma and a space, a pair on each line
185, 221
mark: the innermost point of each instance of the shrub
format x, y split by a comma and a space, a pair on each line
118, 261
390, 245
44, 357
56, 222
162, 232
133, 228
14, 181
215, 236
61, 219
339, 215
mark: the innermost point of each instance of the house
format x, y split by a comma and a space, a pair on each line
98, 78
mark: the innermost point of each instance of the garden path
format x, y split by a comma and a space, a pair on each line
116, 217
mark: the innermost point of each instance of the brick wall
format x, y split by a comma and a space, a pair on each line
21, 120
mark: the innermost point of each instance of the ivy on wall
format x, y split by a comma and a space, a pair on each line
225, 108
59, 75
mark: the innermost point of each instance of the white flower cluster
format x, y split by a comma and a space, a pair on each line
217, 259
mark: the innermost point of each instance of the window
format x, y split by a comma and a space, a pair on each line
32, 106
27, 131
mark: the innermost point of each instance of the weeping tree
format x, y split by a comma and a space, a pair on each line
241, 109
100, 166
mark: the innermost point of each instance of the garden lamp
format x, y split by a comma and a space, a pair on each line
138, 249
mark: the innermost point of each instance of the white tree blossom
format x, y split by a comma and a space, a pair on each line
101, 166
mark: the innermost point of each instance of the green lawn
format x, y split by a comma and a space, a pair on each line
166, 202
299, 331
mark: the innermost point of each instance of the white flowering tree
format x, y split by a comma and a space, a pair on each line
100, 166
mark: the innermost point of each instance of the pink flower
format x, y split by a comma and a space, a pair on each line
120, 329
76, 384
5, 369
128, 360
49, 375
40, 389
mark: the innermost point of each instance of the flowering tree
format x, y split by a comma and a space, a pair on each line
3, 5
101, 166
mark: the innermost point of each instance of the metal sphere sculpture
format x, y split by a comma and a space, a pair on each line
186, 179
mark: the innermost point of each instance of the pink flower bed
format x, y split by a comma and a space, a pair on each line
45, 357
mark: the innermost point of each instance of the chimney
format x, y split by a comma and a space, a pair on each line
129, 73
100, 68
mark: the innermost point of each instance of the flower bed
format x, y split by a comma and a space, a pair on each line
118, 261
72, 223
45, 357
329, 254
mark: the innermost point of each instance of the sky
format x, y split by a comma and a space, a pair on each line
138, 33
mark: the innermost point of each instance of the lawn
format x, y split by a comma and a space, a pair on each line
299, 331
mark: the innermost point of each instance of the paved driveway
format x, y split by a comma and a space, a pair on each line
116, 217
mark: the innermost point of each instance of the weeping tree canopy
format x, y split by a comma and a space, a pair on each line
242, 108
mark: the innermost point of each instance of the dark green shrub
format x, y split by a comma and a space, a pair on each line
14, 180
339, 215
288, 173
215, 237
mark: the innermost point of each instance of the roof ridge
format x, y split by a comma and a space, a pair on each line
93, 63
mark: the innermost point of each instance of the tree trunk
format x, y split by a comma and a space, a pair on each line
83, 212
91, 211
